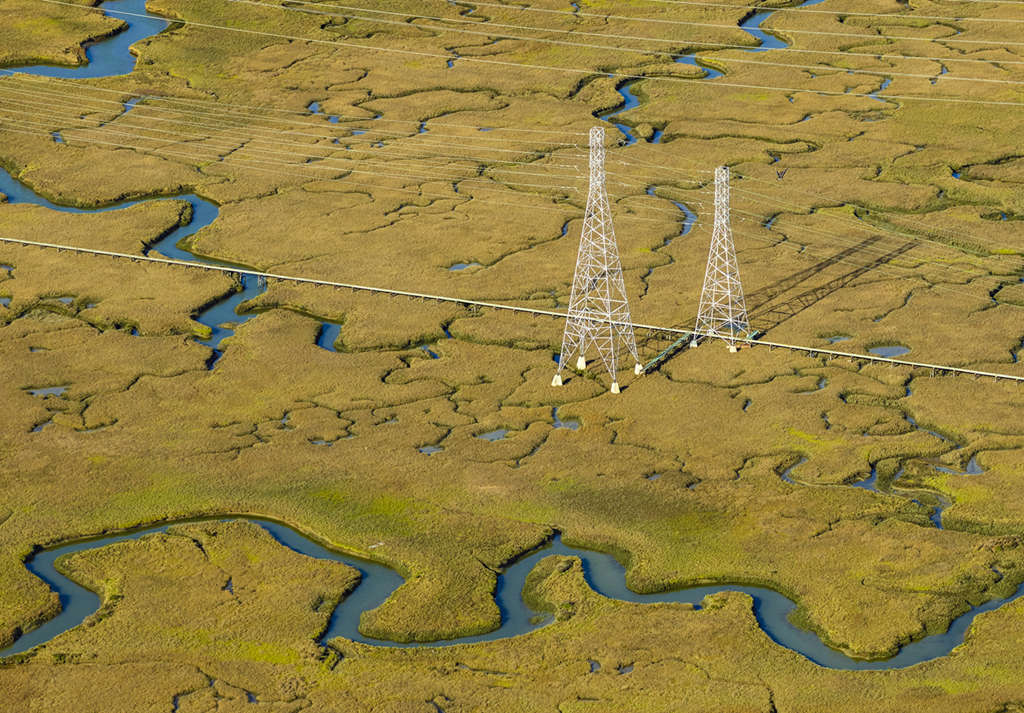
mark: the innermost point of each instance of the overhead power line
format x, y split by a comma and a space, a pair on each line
831, 200
835, 239
753, 8
236, 140
524, 65
205, 107
206, 143
889, 269
252, 165
846, 13
813, 352
382, 155
223, 130
693, 43
400, 173
221, 105
259, 165
687, 23
305, 171
636, 50
763, 199
48, 99
370, 132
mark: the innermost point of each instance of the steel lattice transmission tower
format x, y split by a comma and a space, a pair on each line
598, 308
723, 311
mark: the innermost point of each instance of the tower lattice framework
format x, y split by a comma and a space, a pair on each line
723, 311
598, 307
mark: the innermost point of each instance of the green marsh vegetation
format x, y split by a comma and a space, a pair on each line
51, 34
145, 432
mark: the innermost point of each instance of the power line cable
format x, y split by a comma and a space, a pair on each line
801, 249
457, 197
257, 164
409, 148
933, 230
859, 224
219, 107
835, 238
673, 55
222, 131
524, 65
382, 156
417, 136
603, 16
204, 142
755, 8
807, 211
248, 164
831, 257
828, 199
844, 13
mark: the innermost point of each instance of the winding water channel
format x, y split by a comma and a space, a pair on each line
751, 24
767, 41
603, 573
222, 315
109, 57
217, 316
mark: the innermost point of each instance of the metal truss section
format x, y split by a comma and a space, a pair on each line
598, 316
723, 311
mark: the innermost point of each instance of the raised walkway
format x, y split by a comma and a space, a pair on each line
684, 334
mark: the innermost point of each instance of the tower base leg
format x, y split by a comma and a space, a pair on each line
733, 348
694, 344
637, 369
557, 381
615, 387
581, 363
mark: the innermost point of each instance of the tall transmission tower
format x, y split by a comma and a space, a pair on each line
723, 311
598, 307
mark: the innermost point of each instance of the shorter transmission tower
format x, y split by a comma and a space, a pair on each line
598, 307
723, 311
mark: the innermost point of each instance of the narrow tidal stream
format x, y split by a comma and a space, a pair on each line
602, 571
222, 316
109, 57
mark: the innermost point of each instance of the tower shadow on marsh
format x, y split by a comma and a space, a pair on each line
766, 294
766, 313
